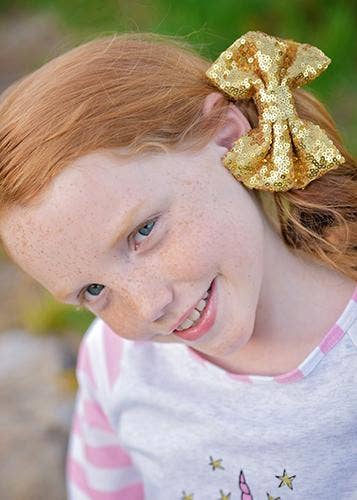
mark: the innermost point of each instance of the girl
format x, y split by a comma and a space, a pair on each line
206, 214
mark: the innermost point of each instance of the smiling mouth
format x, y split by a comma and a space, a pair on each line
206, 319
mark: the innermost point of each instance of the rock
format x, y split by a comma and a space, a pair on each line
35, 417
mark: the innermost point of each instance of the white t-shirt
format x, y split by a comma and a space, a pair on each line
156, 421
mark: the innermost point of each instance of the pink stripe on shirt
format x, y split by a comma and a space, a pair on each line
95, 416
113, 352
76, 473
292, 376
84, 363
107, 456
331, 339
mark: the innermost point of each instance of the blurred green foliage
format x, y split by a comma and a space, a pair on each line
211, 27
47, 315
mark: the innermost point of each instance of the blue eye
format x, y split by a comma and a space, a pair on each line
94, 287
146, 229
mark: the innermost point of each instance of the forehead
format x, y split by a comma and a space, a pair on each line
92, 184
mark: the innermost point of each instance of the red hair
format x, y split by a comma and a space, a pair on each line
142, 91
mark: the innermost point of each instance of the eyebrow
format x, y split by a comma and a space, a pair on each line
127, 223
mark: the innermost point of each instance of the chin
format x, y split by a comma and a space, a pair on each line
231, 343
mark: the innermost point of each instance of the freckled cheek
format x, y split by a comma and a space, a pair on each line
192, 255
228, 246
242, 255
123, 324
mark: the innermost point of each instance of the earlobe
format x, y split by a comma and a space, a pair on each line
235, 125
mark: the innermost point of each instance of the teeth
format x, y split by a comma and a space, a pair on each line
201, 305
195, 315
186, 324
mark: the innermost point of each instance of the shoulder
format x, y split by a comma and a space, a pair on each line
100, 356
99, 336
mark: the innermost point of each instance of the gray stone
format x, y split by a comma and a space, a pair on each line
35, 416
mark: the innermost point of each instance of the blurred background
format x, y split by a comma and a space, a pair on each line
39, 337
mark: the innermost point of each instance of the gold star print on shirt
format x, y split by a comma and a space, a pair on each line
224, 497
243, 486
285, 479
216, 464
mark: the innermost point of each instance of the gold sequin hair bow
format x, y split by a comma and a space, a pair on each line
283, 152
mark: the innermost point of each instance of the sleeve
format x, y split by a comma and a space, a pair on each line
97, 466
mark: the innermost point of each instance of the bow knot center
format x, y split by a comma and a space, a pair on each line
276, 103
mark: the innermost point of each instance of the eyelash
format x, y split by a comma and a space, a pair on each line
81, 298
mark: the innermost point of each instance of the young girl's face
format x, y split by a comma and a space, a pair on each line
142, 239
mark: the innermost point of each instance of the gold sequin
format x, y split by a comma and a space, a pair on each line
283, 152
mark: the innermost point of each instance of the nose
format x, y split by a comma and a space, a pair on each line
148, 302
154, 306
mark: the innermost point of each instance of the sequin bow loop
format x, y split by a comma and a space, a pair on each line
283, 151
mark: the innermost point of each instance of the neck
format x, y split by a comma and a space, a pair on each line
299, 302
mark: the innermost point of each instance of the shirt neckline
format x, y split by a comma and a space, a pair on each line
328, 342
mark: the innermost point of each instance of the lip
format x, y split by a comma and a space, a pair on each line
206, 320
186, 315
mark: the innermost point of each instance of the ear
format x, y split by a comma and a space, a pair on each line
235, 124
